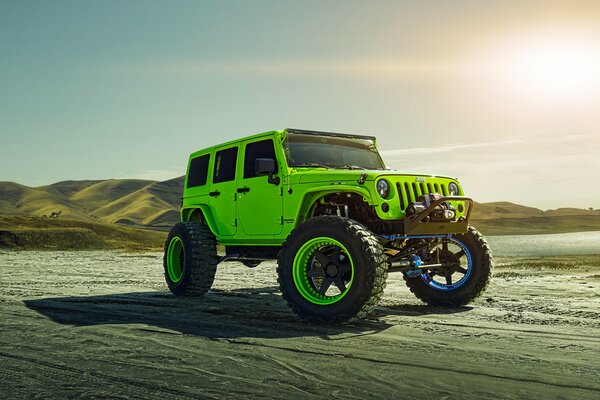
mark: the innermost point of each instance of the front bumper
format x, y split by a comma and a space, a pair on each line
419, 224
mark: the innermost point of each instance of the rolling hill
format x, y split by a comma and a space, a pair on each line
132, 202
153, 204
28, 232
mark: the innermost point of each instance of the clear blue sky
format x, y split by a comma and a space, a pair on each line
503, 95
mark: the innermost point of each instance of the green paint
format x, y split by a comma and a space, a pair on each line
305, 260
174, 259
266, 213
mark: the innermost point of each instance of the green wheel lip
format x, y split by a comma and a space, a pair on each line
299, 269
173, 261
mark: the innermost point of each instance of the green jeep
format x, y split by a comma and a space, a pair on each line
336, 220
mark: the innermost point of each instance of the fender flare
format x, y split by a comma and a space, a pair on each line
310, 197
200, 213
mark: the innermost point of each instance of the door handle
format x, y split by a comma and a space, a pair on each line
243, 189
214, 194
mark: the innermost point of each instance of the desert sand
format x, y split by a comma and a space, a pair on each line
101, 324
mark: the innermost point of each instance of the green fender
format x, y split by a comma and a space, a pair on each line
188, 214
313, 195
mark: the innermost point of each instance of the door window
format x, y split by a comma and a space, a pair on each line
198, 171
262, 149
224, 170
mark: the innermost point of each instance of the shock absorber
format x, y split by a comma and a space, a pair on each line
415, 264
411, 266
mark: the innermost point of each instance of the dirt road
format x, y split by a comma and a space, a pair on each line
102, 325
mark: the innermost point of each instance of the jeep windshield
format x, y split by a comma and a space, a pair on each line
305, 150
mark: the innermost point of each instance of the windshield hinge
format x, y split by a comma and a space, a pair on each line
362, 179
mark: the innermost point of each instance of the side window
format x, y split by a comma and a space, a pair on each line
198, 171
225, 165
262, 149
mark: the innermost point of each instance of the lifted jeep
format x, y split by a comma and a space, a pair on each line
335, 219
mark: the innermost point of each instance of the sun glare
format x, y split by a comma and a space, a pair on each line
557, 68
551, 67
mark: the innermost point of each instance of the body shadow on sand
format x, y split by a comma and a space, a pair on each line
258, 313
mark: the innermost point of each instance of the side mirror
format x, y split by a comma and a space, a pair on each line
266, 166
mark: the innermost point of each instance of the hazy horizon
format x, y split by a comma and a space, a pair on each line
503, 95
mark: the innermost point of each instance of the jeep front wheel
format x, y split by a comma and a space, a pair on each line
190, 259
465, 271
331, 269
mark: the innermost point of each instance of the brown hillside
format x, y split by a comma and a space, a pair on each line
126, 201
105, 192
23, 232
134, 209
504, 209
169, 191
68, 188
571, 211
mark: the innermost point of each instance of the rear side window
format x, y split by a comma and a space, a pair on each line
198, 171
262, 149
225, 165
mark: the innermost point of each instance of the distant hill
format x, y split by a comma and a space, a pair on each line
504, 218
154, 204
26, 232
504, 209
132, 202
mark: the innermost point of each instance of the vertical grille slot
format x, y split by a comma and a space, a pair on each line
423, 188
430, 188
436, 187
409, 194
444, 190
403, 196
416, 190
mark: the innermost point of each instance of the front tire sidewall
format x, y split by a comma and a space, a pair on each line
469, 290
357, 294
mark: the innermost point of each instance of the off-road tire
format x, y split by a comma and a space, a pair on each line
477, 281
198, 259
369, 273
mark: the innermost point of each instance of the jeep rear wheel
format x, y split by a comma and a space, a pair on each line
466, 261
331, 269
190, 259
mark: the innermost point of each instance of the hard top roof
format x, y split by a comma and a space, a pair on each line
319, 133
287, 130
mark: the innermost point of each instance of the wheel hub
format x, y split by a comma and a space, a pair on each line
322, 264
331, 270
449, 261
452, 273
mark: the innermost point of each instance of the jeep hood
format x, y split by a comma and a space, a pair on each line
344, 175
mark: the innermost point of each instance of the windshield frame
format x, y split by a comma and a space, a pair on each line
371, 147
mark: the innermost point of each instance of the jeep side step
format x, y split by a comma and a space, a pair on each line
249, 253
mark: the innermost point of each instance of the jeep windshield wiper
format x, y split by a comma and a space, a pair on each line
315, 165
345, 166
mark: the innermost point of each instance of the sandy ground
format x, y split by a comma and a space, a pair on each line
102, 325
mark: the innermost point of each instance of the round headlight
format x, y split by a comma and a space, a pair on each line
383, 188
453, 189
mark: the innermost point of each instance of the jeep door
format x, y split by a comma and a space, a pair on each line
223, 190
259, 202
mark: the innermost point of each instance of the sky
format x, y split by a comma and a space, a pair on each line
503, 95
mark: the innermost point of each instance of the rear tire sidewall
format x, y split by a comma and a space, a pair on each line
199, 262
178, 287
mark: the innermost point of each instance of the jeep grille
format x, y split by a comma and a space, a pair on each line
409, 192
